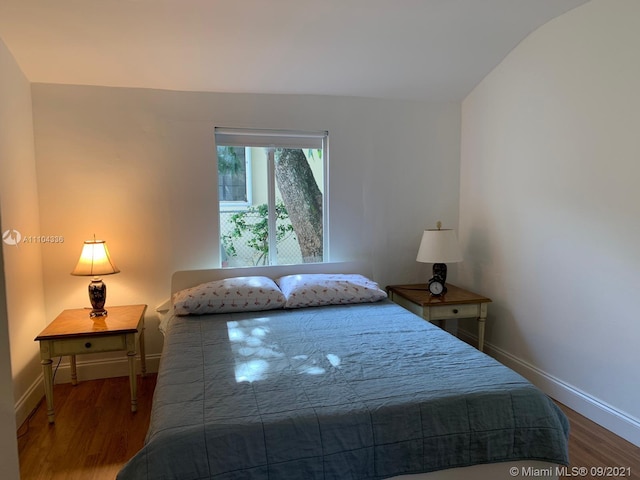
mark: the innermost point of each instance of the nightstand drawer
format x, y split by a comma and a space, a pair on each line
78, 345
454, 311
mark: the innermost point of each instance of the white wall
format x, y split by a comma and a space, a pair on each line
137, 168
23, 262
550, 208
8, 441
21, 292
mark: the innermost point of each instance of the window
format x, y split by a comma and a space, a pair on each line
234, 177
271, 192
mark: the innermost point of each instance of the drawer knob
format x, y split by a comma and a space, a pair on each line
455, 310
87, 345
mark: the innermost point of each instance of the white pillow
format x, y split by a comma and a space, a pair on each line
312, 290
237, 294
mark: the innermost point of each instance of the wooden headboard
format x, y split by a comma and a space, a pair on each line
190, 278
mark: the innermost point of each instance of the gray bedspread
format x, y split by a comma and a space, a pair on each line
342, 392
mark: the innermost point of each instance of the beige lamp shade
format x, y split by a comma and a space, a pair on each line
439, 246
95, 260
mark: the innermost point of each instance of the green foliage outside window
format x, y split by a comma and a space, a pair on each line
252, 225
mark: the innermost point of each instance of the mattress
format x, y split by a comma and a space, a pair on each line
364, 391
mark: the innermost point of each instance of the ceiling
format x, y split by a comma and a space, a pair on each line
434, 50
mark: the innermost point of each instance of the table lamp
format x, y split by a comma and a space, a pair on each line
439, 247
95, 261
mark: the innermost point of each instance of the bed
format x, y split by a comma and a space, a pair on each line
359, 388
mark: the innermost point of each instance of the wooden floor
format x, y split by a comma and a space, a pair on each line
590, 446
95, 433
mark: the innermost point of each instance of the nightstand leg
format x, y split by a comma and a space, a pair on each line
48, 387
74, 371
143, 358
133, 384
481, 322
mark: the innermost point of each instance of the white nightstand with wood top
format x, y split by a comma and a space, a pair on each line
456, 303
73, 333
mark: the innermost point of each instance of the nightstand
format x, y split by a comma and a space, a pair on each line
74, 333
457, 303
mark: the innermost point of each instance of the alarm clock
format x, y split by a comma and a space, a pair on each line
436, 287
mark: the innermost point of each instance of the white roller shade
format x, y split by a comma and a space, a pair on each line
230, 137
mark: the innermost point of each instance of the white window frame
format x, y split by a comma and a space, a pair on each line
240, 137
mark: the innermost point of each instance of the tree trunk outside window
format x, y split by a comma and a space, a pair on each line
303, 200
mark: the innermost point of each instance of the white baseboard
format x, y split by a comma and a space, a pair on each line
596, 410
29, 400
87, 369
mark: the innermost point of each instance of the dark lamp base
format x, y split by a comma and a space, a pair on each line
98, 313
440, 272
97, 297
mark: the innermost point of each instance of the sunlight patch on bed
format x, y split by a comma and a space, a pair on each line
314, 370
251, 371
334, 360
252, 352
255, 356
